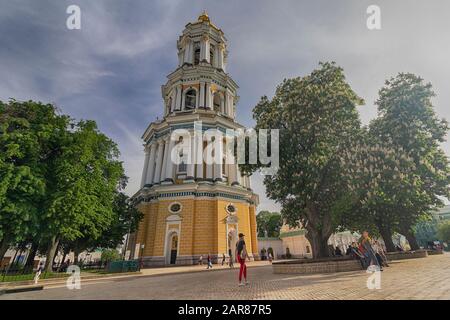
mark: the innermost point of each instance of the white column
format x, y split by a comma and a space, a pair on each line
187, 51
191, 159
247, 181
159, 162
165, 159
144, 171
174, 100
178, 100
238, 175
228, 103
232, 176
204, 48
218, 154
208, 96
169, 164
183, 101
209, 166
151, 164
199, 159
220, 51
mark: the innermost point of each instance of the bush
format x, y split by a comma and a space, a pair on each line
444, 231
109, 255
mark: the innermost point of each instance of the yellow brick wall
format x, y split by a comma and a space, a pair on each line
203, 226
253, 227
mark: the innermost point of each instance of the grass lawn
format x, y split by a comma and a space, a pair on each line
30, 276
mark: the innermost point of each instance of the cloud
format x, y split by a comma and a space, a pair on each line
112, 69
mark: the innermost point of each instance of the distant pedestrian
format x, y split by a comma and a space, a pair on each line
270, 256
223, 258
230, 254
38, 273
366, 249
209, 262
200, 260
379, 252
241, 254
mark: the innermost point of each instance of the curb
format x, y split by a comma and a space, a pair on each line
21, 289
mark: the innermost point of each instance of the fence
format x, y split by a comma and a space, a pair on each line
123, 266
11, 273
19, 273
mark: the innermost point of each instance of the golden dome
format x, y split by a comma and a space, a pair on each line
204, 17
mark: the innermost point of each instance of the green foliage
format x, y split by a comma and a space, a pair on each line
269, 223
59, 179
444, 231
397, 169
317, 118
109, 255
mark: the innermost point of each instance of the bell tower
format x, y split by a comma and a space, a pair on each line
202, 53
193, 208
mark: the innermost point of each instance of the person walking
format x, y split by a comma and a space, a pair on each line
379, 252
200, 260
241, 254
209, 262
38, 273
269, 255
366, 249
223, 258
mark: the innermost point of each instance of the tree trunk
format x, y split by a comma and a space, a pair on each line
56, 255
4, 245
409, 235
319, 244
52, 247
386, 234
32, 254
75, 256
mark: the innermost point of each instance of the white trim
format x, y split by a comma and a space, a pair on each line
174, 219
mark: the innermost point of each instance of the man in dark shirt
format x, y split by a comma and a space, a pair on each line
241, 254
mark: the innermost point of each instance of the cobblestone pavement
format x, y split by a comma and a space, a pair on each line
426, 278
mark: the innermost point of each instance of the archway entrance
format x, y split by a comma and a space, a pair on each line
173, 248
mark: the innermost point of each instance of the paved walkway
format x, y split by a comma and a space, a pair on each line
426, 278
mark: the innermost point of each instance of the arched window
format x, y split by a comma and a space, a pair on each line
190, 99
182, 167
224, 167
196, 53
211, 55
217, 101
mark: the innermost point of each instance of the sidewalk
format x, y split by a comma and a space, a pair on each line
7, 287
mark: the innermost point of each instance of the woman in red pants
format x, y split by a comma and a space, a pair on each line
241, 254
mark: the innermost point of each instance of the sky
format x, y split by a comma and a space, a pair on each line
112, 68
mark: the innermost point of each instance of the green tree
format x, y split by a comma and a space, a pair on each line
84, 180
269, 223
58, 177
26, 132
444, 231
125, 219
383, 184
317, 118
407, 120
